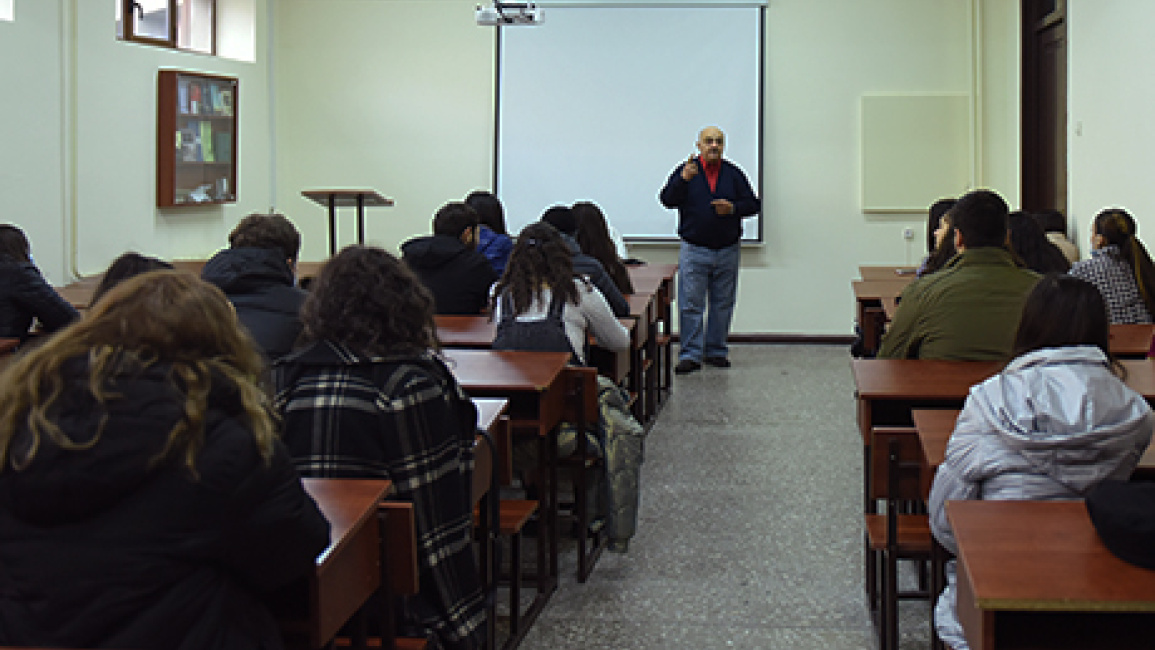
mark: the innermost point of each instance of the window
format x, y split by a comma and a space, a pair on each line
6, 10
181, 24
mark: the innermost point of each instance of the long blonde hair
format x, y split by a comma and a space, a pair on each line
162, 317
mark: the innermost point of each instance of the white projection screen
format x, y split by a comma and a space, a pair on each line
600, 103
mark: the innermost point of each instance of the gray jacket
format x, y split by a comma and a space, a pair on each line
1051, 425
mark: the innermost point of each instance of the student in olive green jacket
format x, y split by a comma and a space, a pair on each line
969, 310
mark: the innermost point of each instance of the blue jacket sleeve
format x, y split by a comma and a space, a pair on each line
674, 193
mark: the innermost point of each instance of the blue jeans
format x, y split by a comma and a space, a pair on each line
706, 277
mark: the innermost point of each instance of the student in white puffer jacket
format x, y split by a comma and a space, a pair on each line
1053, 424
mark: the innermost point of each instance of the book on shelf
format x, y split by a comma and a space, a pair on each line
194, 97
223, 146
227, 102
190, 149
182, 95
207, 141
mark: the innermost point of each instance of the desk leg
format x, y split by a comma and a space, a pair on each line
551, 511
360, 218
332, 225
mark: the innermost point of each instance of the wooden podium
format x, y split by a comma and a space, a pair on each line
334, 199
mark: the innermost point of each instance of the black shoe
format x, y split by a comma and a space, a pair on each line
718, 362
686, 366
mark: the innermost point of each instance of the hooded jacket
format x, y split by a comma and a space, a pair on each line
1052, 425
108, 547
458, 276
259, 283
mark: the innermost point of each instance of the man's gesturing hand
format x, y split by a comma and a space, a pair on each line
722, 206
690, 169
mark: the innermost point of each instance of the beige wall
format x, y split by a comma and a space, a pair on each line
397, 95
80, 139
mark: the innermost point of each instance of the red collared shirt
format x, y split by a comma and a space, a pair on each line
711, 170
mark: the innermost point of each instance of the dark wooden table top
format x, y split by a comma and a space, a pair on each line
1131, 340
506, 370
883, 272
1043, 556
347, 504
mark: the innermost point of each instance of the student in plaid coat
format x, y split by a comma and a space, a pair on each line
368, 397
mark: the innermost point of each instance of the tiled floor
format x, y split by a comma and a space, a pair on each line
750, 532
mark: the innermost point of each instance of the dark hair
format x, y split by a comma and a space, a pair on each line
370, 301
488, 209
453, 219
1032, 248
13, 244
273, 231
560, 217
943, 253
124, 267
539, 259
1118, 228
1063, 310
981, 217
937, 210
1052, 221
593, 236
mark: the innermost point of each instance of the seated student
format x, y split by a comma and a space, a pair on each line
24, 295
969, 309
128, 265
368, 397
539, 304
936, 229
1031, 246
1053, 424
447, 263
1120, 267
593, 237
256, 273
492, 239
145, 498
562, 218
1055, 225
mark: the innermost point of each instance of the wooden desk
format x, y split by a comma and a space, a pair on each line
349, 570
869, 272
534, 384
1131, 341
492, 417
662, 317
1035, 574
873, 298
465, 331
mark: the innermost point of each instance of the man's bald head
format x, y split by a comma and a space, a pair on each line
711, 141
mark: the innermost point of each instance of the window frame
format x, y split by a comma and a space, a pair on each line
176, 17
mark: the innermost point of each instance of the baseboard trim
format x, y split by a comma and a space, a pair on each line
811, 339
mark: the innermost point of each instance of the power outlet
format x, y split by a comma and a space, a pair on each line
908, 234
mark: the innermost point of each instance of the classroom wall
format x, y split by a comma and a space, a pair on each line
1110, 130
398, 95
78, 123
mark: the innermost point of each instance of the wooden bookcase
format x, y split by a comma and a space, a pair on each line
196, 139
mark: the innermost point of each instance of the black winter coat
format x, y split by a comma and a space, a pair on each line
107, 548
24, 295
458, 277
259, 283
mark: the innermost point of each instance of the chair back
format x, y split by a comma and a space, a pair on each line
907, 466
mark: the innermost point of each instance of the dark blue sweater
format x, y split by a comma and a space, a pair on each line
698, 224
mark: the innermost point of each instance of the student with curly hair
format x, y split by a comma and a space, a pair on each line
540, 305
368, 397
1120, 268
145, 498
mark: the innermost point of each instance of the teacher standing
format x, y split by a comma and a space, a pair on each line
712, 196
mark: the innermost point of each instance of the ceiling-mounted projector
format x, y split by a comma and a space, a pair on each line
509, 13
